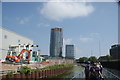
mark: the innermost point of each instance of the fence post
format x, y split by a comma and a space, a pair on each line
37, 74
33, 74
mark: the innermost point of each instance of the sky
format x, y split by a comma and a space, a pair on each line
91, 26
0, 14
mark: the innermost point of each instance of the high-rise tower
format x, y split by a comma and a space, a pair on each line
56, 42
70, 51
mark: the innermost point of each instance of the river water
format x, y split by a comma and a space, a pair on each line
77, 72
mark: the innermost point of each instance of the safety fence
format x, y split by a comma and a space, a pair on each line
109, 75
111, 64
37, 74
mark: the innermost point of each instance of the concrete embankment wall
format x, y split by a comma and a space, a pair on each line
112, 64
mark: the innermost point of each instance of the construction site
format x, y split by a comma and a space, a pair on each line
17, 51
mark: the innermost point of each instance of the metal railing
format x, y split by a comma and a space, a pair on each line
110, 75
107, 74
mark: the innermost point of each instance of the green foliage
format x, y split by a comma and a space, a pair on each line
82, 59
92, 58
105, 58
53, 67
35, 69
25, 70
108, 58
10, 73
58, 66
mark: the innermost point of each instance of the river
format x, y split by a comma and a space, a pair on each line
75, 73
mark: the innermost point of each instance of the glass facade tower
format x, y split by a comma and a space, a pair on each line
56, 42
70, 51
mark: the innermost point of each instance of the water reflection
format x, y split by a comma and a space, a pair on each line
75, 72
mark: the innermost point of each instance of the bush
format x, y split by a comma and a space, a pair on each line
25, 70
83, 59
10, 73
58, 66
93, 58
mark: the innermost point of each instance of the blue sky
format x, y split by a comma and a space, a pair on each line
0, 14
84, 24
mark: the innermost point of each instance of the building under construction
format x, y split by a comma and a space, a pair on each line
56, 42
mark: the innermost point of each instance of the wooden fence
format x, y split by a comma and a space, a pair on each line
37, 74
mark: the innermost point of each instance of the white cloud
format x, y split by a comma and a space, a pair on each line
65, 42
23, 20
86, 39
94, 34
43, 25
78, 52
65, 10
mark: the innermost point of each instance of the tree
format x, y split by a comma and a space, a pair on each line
105, 58
83, 59
92, 58
108, 58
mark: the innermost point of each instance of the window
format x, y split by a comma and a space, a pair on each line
5, 36
18, 40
